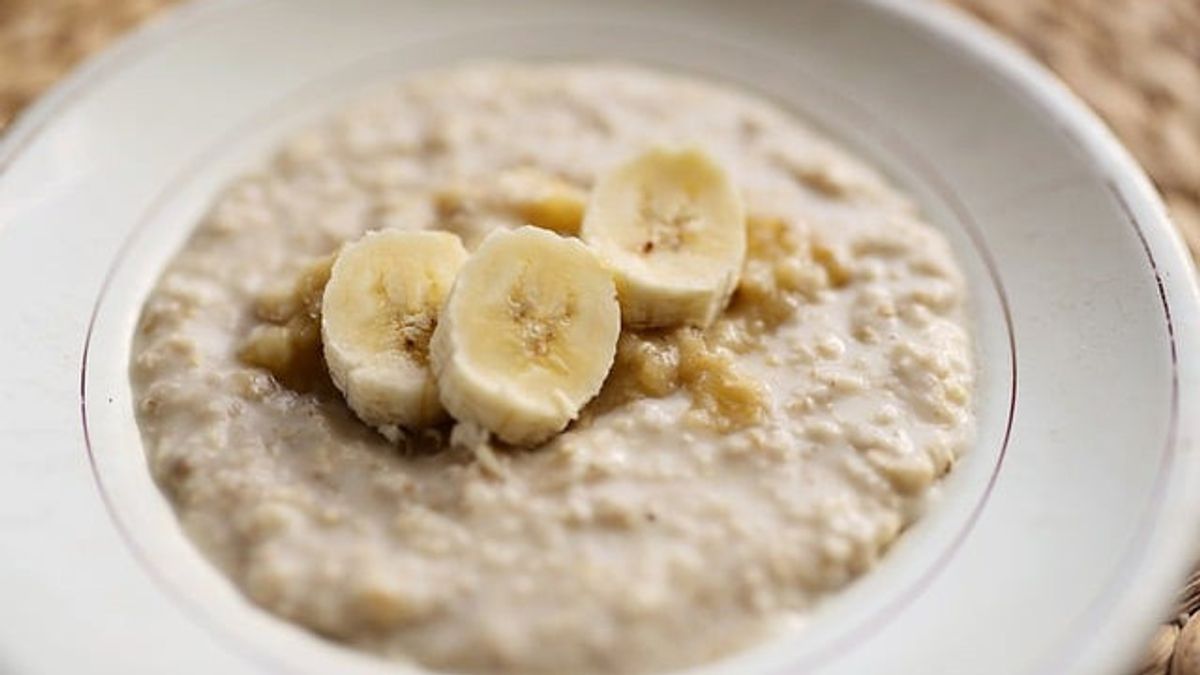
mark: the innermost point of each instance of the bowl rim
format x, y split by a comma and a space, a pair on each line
1175, 275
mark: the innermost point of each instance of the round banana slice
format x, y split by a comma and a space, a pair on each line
377, 314
527, 336
672, 227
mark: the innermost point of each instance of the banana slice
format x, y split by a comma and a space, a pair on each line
672, 227
527, 335
377, 314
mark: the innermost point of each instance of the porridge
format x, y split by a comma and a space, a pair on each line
741, 460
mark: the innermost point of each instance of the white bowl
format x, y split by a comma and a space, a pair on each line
1058, 541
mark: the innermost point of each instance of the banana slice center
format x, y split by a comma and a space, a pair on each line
671, 224
407, 324
541, 320
413, 332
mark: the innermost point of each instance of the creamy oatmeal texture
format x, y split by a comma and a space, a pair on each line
722, 483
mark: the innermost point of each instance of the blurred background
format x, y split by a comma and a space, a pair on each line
1136, 62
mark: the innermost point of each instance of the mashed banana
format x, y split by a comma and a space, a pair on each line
723, 482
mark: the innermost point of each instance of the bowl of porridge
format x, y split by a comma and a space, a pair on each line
617, 339
750, 415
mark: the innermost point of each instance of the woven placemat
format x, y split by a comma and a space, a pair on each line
1137, 62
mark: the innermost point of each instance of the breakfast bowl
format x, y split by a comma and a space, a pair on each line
1067, 297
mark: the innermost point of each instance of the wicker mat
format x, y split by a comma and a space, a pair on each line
1137, 62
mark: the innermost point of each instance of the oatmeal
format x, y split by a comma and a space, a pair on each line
723, 482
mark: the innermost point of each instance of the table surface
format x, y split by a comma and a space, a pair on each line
1136, 62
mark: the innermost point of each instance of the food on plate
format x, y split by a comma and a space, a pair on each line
546, 368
